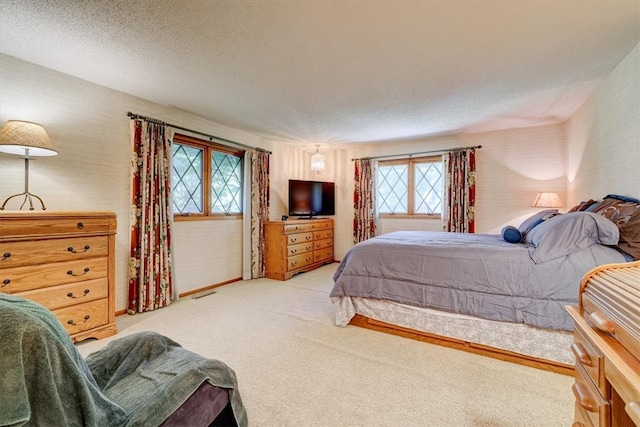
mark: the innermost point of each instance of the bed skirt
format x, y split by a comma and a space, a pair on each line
518, 339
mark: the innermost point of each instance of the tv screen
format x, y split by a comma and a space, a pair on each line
311, 198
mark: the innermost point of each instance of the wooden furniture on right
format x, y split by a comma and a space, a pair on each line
297, 245
607, 347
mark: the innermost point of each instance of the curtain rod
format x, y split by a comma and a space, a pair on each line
134, 116
447, 150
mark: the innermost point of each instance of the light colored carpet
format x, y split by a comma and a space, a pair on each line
295, 368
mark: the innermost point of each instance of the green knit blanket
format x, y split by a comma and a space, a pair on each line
136, 380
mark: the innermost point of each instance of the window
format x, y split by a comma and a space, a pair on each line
410, 187
206, 179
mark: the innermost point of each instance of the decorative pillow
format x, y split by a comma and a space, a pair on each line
536, 219
593, 207
582, 206
511, 234
623, 198
624, 212
572, 232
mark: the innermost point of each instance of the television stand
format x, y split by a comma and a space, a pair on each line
297, 245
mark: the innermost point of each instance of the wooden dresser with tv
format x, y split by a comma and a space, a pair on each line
607, 347
297, 245
64, 261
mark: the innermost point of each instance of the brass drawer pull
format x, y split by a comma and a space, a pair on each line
602, 322
86, 248
584, 397
80, 225
71, 273
86, 292
581, 354
5, 282
5, 256
72, 322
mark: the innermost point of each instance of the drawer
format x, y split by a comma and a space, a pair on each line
299, 261
322, 234
19, 279
66, 295
581, 418
323, 225
299, 249
588, 399
591, 360
293, 239
298, 228
322, 244
16, 254
323, 254
23, 226
82, 317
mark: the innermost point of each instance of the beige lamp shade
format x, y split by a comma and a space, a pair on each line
547, 200
25, 138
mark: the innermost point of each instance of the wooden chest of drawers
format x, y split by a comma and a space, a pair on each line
606, 342
65, 261
295, 246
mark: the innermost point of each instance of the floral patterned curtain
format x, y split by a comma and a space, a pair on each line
364, 221
259, 210
460, 191
150, 271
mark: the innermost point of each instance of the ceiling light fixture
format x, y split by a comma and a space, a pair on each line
317, 160
29, 140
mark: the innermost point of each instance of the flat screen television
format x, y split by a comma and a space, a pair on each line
311, 198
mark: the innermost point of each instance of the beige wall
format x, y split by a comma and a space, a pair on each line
90, 129
512, 166
603, 137
88, 124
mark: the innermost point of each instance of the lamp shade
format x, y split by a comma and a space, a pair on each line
317, 160
25, 138
547, 200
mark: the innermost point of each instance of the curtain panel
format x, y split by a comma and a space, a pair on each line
364, 221
460, 191
150, 269
259, 210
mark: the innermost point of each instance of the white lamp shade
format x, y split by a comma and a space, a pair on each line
22, 138
547, 200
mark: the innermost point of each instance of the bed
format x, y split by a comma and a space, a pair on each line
480, 292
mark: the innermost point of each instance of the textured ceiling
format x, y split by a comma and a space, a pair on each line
336, 71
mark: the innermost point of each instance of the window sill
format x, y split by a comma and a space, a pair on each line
181, 218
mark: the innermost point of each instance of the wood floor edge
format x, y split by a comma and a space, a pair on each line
484, 350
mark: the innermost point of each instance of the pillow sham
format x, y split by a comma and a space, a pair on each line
623, 198
572, 232
582, 206
624, 212
511, 234
535, 220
